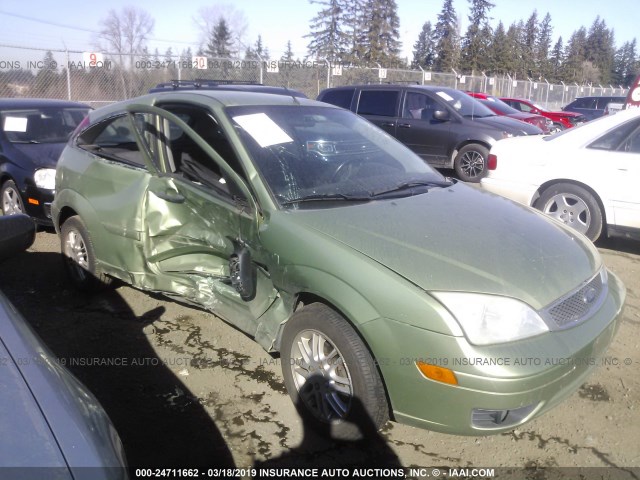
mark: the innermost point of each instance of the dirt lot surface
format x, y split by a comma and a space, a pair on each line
193, 391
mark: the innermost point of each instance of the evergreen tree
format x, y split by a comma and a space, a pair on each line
168, 55
500, 55
575, 55
557, 61
446, 38
514, 34
287, 56
424, 49
600, 49
543, 47
382, 44
328, 40
220, 43
355, 27
529, 37
478, 37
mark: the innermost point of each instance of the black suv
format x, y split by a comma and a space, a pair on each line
444, 126
592, 107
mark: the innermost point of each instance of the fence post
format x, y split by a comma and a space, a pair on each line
68, 75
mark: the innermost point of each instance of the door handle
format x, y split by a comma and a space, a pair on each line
404, 125
170, 197
388, 124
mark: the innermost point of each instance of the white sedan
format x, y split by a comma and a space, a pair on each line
587, 177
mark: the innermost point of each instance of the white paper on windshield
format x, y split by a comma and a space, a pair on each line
263, 130
445, 95
15, 124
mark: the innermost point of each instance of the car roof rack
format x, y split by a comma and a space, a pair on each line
203, 82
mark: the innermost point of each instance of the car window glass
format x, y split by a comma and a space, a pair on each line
419, 106
378, 102
612, 139
340, 98
632, 143
524, 107
183, 157
114, 139
41, 125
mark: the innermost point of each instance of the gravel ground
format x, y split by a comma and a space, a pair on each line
192, 391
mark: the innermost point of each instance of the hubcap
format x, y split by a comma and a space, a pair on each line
321, 376
472, 163
11, 202
76, 251
569, 209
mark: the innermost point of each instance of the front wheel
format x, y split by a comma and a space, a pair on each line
10, 198
471, 162
79, 256
330, 374
574, 206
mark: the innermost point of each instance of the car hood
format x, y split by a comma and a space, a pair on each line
43, 155
565, 114
463, 239
509, 125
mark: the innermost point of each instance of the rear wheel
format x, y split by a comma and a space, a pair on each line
574, 206
79, 256
10, 199
471, 162
330, 374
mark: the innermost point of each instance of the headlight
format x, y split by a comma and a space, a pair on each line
507, 135
45, 178
489, 319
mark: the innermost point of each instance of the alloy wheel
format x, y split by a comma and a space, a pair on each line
569, 209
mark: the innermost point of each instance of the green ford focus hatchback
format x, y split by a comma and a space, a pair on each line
379, 282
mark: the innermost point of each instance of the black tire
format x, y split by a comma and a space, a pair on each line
471, 162
574, 206
10, 199
320, 389
79, 256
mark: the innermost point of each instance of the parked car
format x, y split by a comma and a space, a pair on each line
613, 107
52, 426
561, 120
181, 85
445, 127
33, 133
587, 177
592, 107
498, 107
328, 241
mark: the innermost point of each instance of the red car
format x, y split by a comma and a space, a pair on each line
498, 107
561, 120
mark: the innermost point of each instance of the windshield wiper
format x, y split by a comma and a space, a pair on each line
319, 197
412, 184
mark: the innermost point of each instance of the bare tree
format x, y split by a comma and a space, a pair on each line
126, 32
208, 18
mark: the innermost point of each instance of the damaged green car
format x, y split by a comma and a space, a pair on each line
379, 282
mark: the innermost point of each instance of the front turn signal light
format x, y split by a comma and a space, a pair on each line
439, 374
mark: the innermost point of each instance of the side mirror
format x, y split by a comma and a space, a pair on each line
17, 233
441, 115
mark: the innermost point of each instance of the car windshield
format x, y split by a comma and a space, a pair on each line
465, 105
308, 155
499, 106
41, 125
542, 109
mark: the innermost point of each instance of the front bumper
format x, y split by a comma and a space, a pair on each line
37, 203
523, 193
520, 379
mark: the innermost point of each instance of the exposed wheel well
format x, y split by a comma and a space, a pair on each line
459, 147
546, 185
65, 214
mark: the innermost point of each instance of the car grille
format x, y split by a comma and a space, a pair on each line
578, 305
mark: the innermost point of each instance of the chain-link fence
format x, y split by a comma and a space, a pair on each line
107, 78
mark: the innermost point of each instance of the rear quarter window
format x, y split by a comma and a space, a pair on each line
378, 102
339, 98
